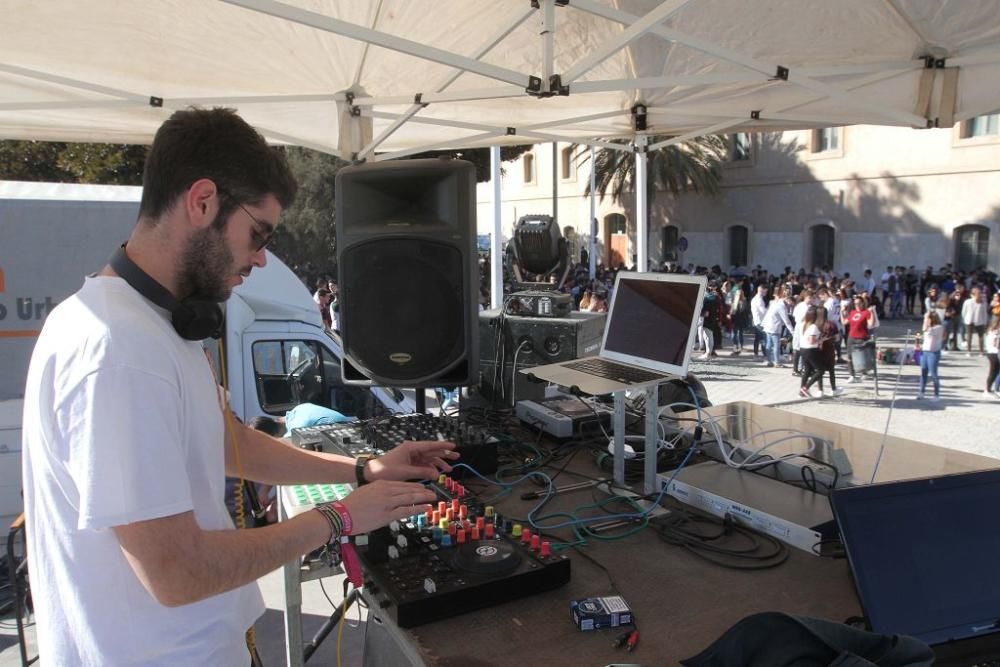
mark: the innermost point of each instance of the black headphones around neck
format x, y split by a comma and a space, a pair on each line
193, 319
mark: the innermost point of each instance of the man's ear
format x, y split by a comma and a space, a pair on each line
201, 203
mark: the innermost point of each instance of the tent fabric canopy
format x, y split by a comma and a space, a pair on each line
385, 78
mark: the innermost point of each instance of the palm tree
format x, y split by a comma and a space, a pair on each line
692, 166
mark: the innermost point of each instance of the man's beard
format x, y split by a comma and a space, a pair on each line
206, 266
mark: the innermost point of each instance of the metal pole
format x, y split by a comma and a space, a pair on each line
496, 244
641, 217
555, 182
593, 212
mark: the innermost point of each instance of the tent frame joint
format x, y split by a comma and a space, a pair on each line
780, 74
511, 131
639, 117
155, 102
931, 62
556, 87
535, 4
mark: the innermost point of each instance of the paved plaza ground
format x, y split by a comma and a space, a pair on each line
964, 419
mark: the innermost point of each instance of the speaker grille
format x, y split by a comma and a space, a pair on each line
403, 308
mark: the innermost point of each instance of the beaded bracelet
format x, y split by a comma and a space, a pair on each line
333, 517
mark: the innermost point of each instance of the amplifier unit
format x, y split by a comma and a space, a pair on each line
536, 341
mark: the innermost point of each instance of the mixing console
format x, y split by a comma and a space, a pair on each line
457, 557
476, 445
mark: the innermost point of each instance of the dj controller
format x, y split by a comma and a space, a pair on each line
459, 556
476, 445
455, 558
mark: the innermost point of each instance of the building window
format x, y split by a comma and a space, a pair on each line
739, 240
671, 234
566, 170
528, 161
740, 147
821, 241
981, 126
826, 140
972, 246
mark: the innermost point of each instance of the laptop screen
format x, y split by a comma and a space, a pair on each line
653, 320
924, 554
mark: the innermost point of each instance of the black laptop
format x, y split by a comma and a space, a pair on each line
925, 555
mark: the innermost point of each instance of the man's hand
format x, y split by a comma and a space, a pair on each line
375, 505
412, 460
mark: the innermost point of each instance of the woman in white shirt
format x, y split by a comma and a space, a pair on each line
930, 353
812, 366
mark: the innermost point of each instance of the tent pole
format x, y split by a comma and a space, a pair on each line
555, 182
641, 217
496, 244
593, 213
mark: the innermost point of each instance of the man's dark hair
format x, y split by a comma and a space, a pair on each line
219, 145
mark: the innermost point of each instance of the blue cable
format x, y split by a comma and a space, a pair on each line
576, 522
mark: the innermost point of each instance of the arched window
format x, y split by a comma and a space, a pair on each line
972, 246
822, 240
671, 234
739, 245
529, 167
566, 171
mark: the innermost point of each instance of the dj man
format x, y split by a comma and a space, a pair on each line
133, 557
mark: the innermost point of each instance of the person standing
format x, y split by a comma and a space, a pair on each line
993, 356
953, 323
775, 320
858, 322
930, 353
809, 339
758, 308
739, 312
127, 438
975, 315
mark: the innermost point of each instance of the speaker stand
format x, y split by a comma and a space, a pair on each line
420, 399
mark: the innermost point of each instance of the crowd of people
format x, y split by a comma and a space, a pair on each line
819, 320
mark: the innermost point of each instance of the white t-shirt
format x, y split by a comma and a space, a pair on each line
933, 338
121, 424
810, 337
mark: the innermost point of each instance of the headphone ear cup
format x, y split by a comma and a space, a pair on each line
197, 320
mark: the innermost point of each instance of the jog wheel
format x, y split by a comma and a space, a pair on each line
487, 557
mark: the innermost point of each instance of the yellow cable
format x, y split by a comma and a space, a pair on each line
340, 626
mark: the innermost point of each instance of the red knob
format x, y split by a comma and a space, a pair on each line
459, 490
546, 549
442, 506
463, 511
452, 528
454, 505
450, 513
475, 533
526, 535
430, 516
435, 517
489, 531
480, 522
536, 542
461, 536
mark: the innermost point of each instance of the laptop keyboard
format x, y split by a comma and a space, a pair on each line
613, 371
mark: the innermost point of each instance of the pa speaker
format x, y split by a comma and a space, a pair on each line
408, 273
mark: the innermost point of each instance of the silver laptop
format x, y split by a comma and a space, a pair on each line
648, 336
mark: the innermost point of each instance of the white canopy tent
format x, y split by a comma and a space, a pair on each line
381, 79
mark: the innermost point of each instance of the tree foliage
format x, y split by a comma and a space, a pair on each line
694, 165
306, 237
61, 162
